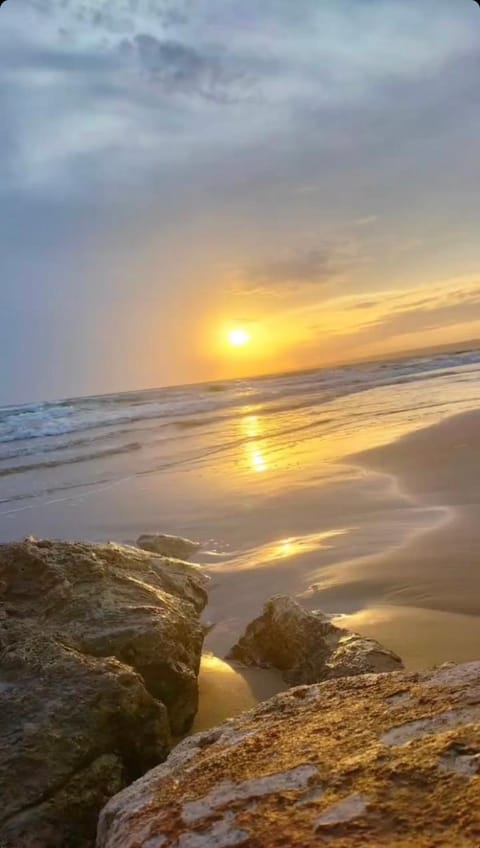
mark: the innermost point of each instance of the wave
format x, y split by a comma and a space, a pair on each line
47, 420
72, 460
197, 405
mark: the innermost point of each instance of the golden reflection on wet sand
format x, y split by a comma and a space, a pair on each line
282, 549
226, 690
423, 637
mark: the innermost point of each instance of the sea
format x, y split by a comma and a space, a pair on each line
214, 461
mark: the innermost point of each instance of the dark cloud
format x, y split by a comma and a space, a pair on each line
115, 17
312, 266
317, 266
181, 68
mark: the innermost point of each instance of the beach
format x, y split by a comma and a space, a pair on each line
354, 490
430, 586
420, 596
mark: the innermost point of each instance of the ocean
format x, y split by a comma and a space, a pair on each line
200, 459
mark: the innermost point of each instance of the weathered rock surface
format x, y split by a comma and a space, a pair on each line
372, 760
169, 546
100, 647
306, 647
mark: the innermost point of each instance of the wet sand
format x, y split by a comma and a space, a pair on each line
226, 690
417, 590
428, 606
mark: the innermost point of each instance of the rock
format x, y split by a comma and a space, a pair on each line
169, 546
372, 760
100, 648
306, 647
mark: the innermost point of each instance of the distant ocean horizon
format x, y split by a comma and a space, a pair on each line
452, 349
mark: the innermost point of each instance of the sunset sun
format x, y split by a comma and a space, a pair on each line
238, 338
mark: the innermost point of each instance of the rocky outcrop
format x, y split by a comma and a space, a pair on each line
306, 647
169, 546
100, 648
371, 760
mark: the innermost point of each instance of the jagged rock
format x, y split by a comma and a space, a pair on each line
100, 647
306, 647
169, 546
371, 760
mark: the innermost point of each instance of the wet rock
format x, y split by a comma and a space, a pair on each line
169, 546
319, 765
306, 647
100, 647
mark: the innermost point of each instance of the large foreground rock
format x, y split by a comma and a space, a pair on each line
306, 647
100, 647
373, 760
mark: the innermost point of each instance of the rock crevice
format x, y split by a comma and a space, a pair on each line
100, 647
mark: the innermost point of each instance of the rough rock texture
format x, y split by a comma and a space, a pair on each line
306, 647
169, 546
373, 760
99, 650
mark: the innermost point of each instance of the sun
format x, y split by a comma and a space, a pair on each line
238, 338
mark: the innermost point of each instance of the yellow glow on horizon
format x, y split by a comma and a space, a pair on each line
238, 337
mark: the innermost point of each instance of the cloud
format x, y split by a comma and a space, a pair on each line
296, 71
397, 312
366, 304
181, 68
371, 324
306, 267
445, 306
101, 15
313, 266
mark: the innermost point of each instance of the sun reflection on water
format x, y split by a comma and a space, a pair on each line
258, 461
253, 430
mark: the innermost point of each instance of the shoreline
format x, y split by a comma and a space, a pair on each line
429, 606
419, 597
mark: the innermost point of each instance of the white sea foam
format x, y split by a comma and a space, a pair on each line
45, 420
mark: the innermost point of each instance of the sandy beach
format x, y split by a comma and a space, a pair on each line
420, 596
424, 598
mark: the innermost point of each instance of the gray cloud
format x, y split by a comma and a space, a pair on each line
115, 18
181, 68
317, 265
314, 266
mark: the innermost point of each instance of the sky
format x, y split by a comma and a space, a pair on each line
172, 170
